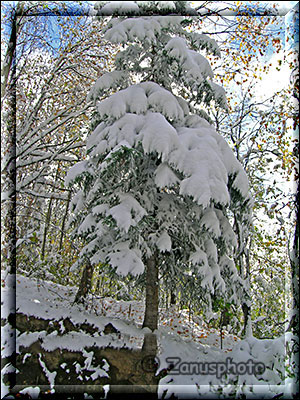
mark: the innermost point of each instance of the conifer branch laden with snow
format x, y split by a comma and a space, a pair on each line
158, 179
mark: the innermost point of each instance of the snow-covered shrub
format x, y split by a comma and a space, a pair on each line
158, 179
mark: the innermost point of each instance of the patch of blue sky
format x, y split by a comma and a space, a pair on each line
287, 11
292, 23
48, 13
67, 9
287, 18
285, 6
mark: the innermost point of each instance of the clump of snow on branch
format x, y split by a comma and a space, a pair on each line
164, 242
202, 41
164, 176
126, 260
123, 212
142, 29
194, 64
119, 7
109, 80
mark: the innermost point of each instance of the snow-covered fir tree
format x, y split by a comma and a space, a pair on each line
158, 188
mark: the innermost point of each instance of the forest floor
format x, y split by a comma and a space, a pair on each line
200, 366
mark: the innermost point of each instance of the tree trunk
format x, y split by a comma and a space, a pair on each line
85, 283
246, 306
151, 306
245, 273
173, 298
247, 319
64, 222
294, 261
47, 223
48, 217
10, 56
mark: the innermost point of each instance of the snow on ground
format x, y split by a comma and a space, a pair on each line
193, 348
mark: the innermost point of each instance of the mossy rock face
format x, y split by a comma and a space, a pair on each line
71, 371
29, 323
35, 365
125, 366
